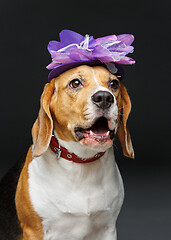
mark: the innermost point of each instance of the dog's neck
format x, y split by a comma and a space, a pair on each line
78, 149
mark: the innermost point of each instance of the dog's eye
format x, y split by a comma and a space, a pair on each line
75, 83
113, 84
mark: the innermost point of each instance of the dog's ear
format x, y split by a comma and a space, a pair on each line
123, 132
43, 126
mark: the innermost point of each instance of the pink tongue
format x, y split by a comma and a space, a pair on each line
100, 127
99, 130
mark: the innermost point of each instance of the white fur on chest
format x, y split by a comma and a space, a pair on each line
76, 201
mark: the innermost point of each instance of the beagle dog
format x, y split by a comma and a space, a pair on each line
70, 187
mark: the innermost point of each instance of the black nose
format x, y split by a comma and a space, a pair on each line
103, 99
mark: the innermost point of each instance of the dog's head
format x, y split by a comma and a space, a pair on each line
85, 104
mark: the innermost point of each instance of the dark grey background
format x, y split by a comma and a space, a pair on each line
26, 27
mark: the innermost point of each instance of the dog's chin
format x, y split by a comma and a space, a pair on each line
98, 136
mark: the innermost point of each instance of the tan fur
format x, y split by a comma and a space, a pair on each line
30, 222
123, 132
42, 129
59, 106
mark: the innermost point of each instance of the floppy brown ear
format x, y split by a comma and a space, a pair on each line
123, 132
43, 126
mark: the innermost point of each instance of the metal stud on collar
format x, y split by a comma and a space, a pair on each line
69, 155
97, 155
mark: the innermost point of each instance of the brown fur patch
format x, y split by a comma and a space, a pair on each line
29, 220
123, 132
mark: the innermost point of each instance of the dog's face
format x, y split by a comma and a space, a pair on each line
86, 105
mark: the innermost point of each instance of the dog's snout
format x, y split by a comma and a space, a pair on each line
103, 99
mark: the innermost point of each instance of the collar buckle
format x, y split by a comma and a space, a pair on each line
58, 151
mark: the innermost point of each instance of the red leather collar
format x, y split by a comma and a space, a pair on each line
63, 152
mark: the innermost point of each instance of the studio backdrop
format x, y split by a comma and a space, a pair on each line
26, 27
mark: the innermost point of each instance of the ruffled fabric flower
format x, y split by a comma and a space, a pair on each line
73, 47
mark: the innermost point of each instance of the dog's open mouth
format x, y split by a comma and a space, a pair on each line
98, 132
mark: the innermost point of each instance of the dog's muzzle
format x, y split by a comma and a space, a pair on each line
103, 99
99, 133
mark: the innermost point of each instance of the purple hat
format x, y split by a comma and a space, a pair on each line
74, 50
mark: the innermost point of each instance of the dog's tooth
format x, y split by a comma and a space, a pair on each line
107, 134
91, 133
